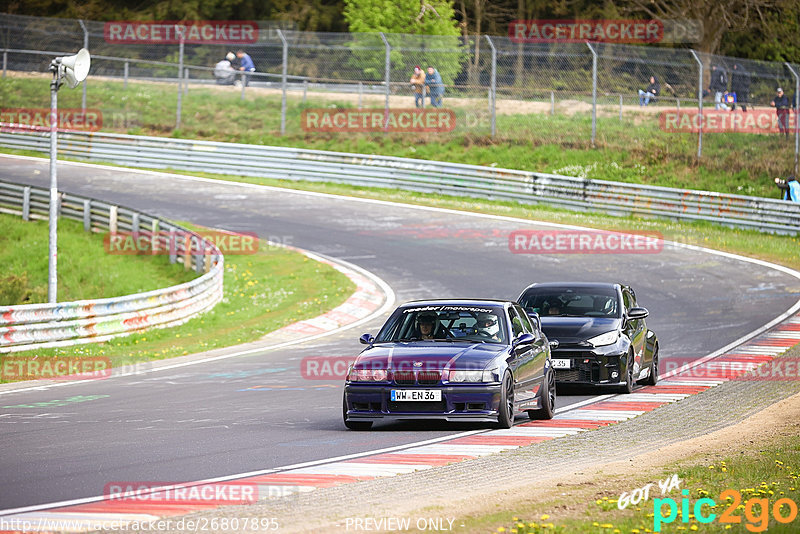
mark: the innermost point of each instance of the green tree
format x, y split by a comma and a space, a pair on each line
420, 32
434, 17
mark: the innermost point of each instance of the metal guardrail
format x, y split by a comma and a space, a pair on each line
32, 326
614, 198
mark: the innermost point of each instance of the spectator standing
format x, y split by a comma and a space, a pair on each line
740, 86
433, 81
718, 85
246, 66
418, 83
782, 106
650, 93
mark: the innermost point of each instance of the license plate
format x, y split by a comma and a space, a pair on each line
416, 395
562, 364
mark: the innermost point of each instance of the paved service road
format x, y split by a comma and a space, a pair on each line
257, 412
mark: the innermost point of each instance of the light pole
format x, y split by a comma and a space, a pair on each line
74, 70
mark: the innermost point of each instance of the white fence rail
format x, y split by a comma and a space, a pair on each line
32, 326
614, 198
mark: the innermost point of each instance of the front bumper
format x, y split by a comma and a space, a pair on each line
467, 403
590, 368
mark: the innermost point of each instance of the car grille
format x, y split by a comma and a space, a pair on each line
429, 377
416, 406
409, 378
404, 378
580, 372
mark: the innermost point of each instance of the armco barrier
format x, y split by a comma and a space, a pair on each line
764, 214
34, 326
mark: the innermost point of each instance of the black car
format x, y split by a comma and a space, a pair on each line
601, 333
452, 360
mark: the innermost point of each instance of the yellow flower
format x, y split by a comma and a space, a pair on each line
544, 517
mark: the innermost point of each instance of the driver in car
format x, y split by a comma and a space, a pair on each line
426, 325
487, 326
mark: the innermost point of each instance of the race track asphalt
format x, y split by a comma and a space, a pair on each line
256, 412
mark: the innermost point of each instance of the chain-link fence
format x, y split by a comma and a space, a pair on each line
567, 94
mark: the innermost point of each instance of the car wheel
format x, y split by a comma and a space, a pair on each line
652, 380
548, 399
629, 381
353, 425
505, 411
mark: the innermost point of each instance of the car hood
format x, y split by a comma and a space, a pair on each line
431, 355
569, 330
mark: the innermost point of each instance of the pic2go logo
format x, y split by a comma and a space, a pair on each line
756, 511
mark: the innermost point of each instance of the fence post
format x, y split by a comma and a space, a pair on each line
5, 62
594, 91
87, 215
284, 74
552, 102
387, 67
796, 116
26, 203
620, 108
186, 81
305, 90
699, 104
493, 88
360, 93
125, 76
86, 46
180, 72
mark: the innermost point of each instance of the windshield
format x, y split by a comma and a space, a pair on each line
572, 302
446, 323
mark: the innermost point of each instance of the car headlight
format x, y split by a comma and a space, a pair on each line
473, 376
367, 375
604, 339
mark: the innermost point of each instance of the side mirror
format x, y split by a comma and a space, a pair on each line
634, 314
522, 339
554, 344
535, 319
366, 339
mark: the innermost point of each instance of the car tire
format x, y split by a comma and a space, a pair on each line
629, 381
505, 410
652, 380
548, 399
353, 425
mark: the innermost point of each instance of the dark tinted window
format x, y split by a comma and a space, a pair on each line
569, 301
445, 322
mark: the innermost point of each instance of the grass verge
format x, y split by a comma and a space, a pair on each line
263, 292
85, 270
752, 486
633, 149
